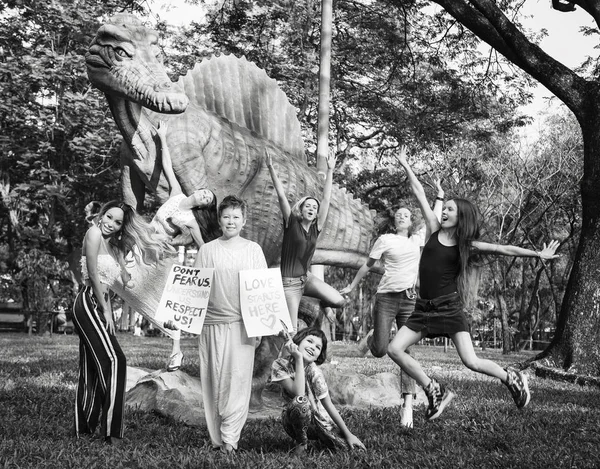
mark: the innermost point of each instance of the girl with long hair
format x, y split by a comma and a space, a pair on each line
309, 412
102, 364
302, 225
183, 219
447, 284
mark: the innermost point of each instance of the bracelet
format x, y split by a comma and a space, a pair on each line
439, 198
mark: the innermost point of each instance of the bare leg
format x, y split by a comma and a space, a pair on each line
464, 347
397, 352
329, 296
292, 298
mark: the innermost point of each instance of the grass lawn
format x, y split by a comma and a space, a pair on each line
481, 428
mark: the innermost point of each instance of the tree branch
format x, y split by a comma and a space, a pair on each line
488, 22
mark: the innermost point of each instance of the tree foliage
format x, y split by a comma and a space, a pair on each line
58, 149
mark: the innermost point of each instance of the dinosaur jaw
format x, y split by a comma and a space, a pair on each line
163, 97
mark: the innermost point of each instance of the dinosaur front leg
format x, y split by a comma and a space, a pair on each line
132, 186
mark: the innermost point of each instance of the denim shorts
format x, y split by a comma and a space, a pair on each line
294, 286
440, 317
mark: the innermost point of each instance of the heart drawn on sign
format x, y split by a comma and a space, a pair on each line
269, 321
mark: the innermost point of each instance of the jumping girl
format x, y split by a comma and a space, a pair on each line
302, 225
444, 273
176, 219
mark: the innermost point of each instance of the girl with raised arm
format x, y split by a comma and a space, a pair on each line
309, 412
302, 225
445, 287
176, 219
102, 364
399, 254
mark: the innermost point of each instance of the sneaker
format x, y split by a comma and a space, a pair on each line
439, 397
363, 345
175, 361
406, 417
517, 385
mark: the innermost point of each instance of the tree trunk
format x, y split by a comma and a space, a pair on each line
575, 343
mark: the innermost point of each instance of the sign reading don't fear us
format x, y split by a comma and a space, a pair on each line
185, 298
263, 302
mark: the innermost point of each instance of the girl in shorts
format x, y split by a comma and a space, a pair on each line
445, 287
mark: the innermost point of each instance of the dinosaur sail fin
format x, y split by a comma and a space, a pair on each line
242, 93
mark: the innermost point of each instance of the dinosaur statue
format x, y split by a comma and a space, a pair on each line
221, 115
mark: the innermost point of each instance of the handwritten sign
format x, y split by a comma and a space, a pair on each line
185, 298
263, 302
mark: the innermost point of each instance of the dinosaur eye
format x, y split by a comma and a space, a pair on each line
122, 52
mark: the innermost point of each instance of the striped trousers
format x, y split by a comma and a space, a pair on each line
102, 371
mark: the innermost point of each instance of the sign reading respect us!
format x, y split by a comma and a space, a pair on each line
263, 302
185, 298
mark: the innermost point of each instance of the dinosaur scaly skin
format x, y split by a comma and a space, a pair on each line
222, 115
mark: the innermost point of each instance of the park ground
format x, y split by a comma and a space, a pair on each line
481, 428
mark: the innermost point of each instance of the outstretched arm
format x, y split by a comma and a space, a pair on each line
284, 205
364, 270
548, 252
167, 165
339, 421
431, 222
326, 200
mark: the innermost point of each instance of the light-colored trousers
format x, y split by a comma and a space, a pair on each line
226, 363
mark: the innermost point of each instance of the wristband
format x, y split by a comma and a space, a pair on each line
439, 198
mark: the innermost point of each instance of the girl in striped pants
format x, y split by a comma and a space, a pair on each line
102, 364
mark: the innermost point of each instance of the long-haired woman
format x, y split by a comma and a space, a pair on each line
102, 364
302, 225
178, 219
446, 285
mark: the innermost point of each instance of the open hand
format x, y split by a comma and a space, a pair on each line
331, 161
353, 441
161, 129
548, 251
346, 291
401, 156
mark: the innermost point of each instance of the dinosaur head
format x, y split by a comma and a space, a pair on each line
124, 60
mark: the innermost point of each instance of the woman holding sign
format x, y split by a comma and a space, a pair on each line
177, 219
226, 351
302, 225
102, 365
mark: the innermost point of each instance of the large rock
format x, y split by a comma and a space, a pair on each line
358, 390
173, 394
179, 396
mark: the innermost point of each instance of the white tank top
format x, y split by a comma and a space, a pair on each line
109, 269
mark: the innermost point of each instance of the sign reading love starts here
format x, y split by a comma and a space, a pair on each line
263, 302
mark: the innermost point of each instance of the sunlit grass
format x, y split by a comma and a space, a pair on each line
480, 429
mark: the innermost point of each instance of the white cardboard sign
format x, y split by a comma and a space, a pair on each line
263, 302
185, 298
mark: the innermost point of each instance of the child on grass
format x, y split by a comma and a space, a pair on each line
309, 412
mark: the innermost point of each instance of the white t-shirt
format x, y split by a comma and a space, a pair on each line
224, 302
400, 258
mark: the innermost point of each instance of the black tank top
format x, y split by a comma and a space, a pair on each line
298, 248
438, 269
